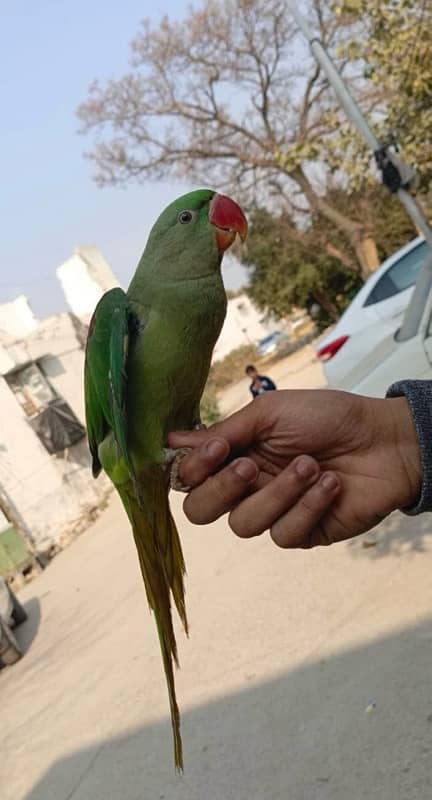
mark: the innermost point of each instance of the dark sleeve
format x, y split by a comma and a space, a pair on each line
269, 383
419, 396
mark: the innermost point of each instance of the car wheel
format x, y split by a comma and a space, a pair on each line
10, 649
19, 614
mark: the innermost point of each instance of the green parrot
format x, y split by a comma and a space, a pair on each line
147, 360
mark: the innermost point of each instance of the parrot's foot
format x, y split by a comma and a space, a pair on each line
199, 426
173, 459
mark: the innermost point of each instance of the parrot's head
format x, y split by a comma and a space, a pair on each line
192, 233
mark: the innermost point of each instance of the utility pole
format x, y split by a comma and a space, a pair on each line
396, 175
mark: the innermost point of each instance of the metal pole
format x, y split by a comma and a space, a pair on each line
355, 115
414, 211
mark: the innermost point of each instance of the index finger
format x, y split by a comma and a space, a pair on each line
239, 430
203, 461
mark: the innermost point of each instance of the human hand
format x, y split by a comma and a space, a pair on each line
314, 467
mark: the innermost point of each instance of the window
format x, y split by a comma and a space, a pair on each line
50, 417
31, 389
399, 277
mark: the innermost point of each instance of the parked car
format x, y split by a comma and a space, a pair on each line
375, 312
270, 343
12, 614
395, 358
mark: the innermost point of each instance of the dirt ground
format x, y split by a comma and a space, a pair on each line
300, 370
307, 675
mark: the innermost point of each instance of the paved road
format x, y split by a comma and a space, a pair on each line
287, 650
300, 370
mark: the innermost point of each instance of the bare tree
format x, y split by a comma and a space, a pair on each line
229, 96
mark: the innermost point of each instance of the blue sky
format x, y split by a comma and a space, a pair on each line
50, 51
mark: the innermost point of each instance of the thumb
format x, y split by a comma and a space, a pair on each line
239, 430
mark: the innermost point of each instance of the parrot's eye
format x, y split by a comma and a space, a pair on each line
185, 217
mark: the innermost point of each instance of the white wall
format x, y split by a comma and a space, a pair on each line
66, 375
84, 278
242, 326
17, 318
6, 361
50, 492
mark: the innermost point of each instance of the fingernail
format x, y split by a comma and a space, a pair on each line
245, 469
215, 448
329, 481
305, 467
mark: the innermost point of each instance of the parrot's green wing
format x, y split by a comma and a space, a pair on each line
105, 376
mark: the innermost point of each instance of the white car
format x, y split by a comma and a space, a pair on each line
270, 343
375, 312
405, 354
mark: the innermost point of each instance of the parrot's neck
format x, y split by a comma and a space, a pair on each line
192, 295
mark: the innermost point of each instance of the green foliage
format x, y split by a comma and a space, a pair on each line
288, 270
391, 40
381, 213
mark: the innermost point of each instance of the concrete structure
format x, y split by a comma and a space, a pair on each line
41, 365
243, 325
17, 318
49, 493
84, 277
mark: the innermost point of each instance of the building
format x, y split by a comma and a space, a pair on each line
46, 486
243, 325
84, 277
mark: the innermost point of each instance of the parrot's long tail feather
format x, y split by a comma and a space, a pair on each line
162, 566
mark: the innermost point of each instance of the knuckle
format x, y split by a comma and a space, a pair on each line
223, 487
314, 501
194, 511
239, 525
281, 535
191, 469
280, 489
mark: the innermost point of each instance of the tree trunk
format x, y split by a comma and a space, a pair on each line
346, 260
297, 235
367, 254
356, 232
324, 301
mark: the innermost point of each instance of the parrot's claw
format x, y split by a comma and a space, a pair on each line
173, 459
199, 426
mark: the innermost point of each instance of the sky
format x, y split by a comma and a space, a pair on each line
50, 51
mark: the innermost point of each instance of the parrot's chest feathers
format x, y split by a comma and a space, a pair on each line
170, 354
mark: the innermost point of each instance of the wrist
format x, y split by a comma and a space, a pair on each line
393, 442
403, 435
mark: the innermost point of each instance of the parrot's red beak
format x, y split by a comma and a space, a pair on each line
229, 220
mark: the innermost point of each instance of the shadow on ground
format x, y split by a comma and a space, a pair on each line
399, 534
27, 632
358, 725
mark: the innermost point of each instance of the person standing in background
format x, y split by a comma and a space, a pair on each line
259, 383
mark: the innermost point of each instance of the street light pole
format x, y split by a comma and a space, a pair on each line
396, 175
